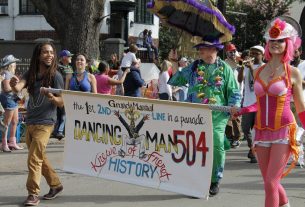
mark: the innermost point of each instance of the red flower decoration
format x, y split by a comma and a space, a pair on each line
275, 32
277, 28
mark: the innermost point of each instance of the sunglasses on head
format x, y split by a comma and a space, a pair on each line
279, 40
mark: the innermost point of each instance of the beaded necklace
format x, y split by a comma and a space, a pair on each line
36, 103
39, 98
208, 81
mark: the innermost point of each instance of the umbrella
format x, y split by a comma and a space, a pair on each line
199, 18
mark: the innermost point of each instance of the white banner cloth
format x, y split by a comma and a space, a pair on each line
159, 144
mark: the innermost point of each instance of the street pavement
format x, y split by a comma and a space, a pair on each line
241, 186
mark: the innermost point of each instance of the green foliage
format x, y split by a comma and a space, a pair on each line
168, 39
250, 27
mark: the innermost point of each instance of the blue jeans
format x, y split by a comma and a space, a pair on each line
150, 52
61, 121
8, 102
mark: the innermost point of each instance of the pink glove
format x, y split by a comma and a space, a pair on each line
249, 109
302, 118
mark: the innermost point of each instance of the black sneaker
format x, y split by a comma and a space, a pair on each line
250, 154
253, 159
214, 189
53, 193
59, 136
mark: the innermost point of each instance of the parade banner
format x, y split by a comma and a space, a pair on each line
159, 144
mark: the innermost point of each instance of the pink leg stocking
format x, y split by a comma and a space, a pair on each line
272, 162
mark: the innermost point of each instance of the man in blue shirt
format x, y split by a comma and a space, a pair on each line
149, 44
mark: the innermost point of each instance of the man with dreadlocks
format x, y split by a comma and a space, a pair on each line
41, 117
133, 131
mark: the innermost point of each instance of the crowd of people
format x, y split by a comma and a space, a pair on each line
259, 85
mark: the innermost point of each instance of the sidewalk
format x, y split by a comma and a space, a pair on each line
241, 186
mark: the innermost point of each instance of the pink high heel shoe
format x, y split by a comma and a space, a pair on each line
5, 149
13, 146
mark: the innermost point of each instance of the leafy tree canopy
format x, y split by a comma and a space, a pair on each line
251, 18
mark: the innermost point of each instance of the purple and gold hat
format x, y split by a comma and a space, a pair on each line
209, 42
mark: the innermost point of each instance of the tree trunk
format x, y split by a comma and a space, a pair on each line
76, 22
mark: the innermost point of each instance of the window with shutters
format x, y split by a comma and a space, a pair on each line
27, 7
142, 15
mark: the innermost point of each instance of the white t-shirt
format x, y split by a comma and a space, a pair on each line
162, 84
301, 68
140, 39
240, 85
128, 59
249, 95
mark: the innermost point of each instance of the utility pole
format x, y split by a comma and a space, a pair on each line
221, 5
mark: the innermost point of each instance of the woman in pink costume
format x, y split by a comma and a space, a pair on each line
275, 126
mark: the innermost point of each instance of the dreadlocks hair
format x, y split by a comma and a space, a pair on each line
48, 77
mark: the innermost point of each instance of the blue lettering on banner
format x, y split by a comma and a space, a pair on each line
131, 167
103, 110
159, 116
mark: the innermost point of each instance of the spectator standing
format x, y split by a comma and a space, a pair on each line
233, 128
129, 59
133, 82
92, 66
246, 74
165, 90
297, 57
81, 80
180, 93
301, 68
9, 101
114, 63
40, 119
104, 82
65, 68
173, 58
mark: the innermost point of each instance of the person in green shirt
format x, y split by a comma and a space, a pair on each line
211, 81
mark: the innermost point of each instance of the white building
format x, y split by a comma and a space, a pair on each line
19, 20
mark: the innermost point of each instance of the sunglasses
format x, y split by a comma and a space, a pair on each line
278, 41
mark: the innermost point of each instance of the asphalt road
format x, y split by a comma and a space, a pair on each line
241, 186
